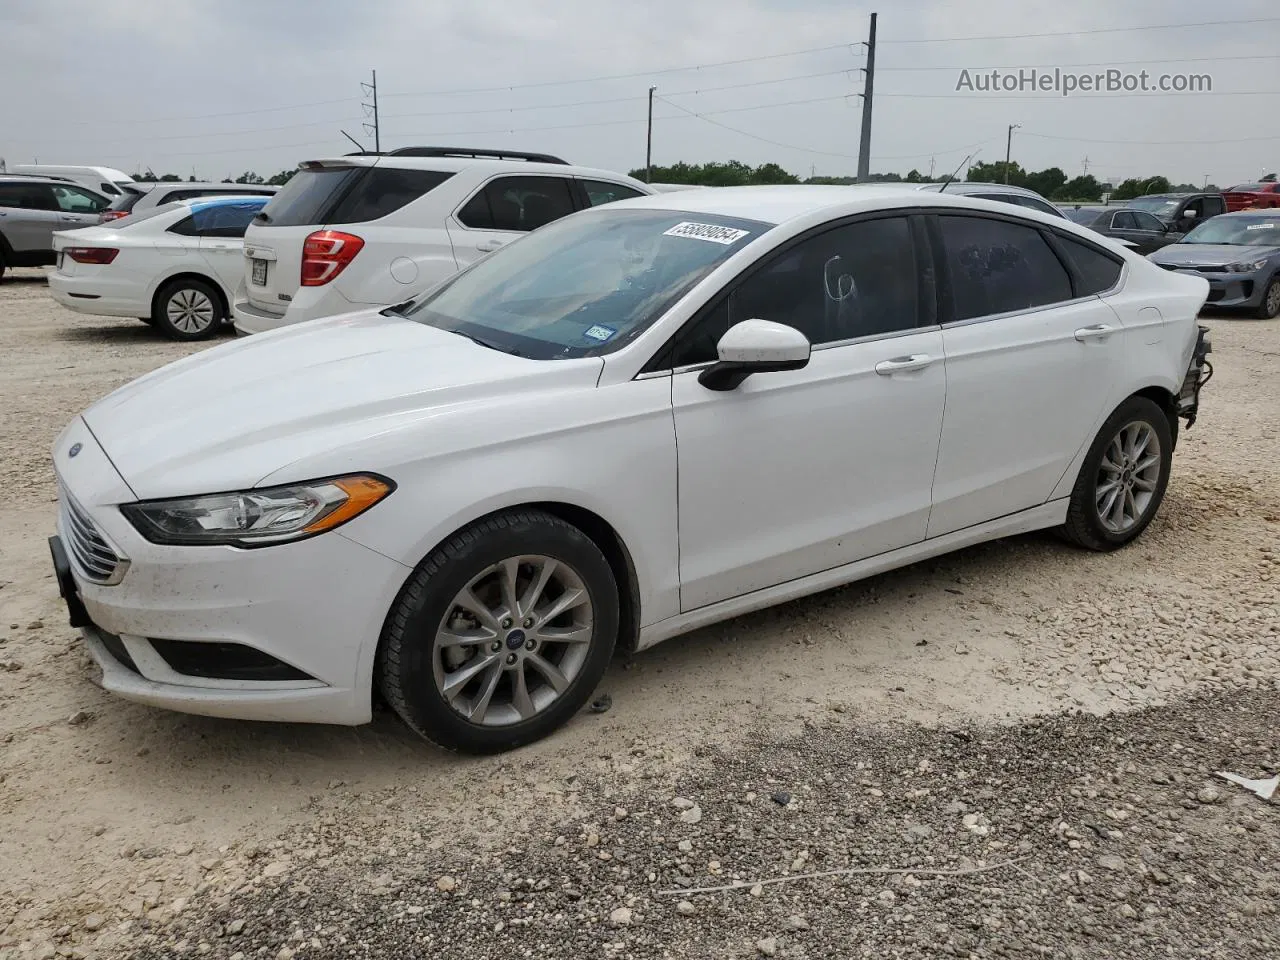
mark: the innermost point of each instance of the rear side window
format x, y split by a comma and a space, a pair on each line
600, 191
27, 196
384, 190
1097, 271
218, 220
518, 204
1032, 203
1000, 267
308, 196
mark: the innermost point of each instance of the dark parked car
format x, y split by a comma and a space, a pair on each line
1239, 254
1181, 211
1145, 231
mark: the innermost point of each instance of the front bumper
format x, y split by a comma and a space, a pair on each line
309, 303
1228, 290
284, 633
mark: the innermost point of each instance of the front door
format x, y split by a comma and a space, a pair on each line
1030, 368
794, 473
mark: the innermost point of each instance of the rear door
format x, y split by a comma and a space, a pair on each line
29, 215
1032, 356
505, 208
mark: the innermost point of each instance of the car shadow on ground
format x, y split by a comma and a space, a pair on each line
123, 332
29, 281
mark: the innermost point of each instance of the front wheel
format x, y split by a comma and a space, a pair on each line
188, 310
1123, 478
501, 634
1269, 308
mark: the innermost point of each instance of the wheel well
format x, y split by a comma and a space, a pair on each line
170, 281
4, 247
1167, 402
615, 551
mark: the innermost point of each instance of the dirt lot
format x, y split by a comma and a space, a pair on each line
859, 727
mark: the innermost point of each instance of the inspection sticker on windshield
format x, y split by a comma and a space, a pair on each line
706, 231
599, 332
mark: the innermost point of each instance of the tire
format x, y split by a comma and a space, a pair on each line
1269, 307
188, 309
416, 663
1094, 521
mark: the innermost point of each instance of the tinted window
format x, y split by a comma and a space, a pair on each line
598, 192
1123, 220
27, 196
308, 196
518, 203
1097, 271
853, 281
383, 191
585, 285
1214, 206
1000, 267
1035, 203
1146, 221
225, 219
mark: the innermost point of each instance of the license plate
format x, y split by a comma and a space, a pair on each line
258, 274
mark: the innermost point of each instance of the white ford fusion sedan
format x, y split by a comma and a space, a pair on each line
633, 422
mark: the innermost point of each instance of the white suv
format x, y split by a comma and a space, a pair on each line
370, 229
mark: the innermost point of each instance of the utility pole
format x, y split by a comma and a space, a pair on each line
932, 160
864, 146
371, 109
1206, 182
648, 146
1008, 149
1086, 166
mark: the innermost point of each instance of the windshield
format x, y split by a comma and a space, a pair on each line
1237, 232
1160, 206
584, 285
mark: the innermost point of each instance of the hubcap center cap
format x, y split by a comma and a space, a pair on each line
515, 639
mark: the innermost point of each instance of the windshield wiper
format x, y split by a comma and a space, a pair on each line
396, 309
489, 343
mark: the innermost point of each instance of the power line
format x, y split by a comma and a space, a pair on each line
625, 76
209, 116
1083, 33
1106, 63
776, 143
1144, 143
211, 134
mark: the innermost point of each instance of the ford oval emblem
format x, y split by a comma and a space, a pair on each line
75, 449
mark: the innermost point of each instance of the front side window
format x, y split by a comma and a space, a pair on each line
75, 200
599, 191
852, 281
585, 286
1124, 220
518, 204
1146, 221
1213, 206
1000, 267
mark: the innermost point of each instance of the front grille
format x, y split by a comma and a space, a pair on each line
88, 550
1188, 266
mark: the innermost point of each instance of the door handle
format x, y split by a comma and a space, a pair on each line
488, 246
916, 361
1098, 331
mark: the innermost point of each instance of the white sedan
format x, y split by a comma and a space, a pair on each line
636, 421
175, 266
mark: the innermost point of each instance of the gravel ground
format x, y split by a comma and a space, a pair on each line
1062, 669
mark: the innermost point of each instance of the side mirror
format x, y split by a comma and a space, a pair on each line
755, 346
1189, 214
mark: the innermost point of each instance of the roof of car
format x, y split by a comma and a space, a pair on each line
1243, 214
456, 164
778, 204
36, 178
205, 185
970, 186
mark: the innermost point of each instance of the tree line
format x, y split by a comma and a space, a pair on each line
279, 180
1052, 182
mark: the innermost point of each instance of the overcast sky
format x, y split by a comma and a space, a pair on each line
220, 87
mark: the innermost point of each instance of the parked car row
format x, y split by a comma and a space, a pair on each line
647, 417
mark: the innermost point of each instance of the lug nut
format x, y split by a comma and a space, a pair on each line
511, 659
528, 622
531, 645
495, 646
506, 623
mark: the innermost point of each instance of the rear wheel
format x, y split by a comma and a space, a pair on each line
1123, 478
188, 309
501, 634
1269, 308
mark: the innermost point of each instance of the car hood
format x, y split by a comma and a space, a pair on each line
1211, 254
227, 418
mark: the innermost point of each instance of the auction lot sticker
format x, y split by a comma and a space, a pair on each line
706, 231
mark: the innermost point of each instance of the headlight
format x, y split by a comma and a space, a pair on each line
253, 518
1247, 267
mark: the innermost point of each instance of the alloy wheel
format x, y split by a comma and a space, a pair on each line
190, 311
1128, 476
513, 640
